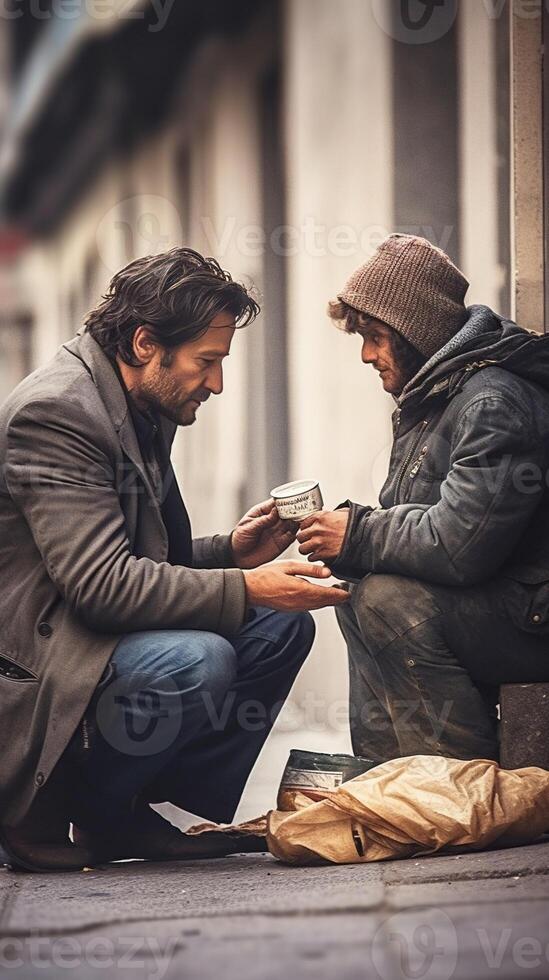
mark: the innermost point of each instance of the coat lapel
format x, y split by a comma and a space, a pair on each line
106, 381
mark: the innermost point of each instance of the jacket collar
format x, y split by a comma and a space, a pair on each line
107, 382
103, 374
113, 397
469, 348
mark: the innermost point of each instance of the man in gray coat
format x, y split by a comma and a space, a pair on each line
136, 665
450, 571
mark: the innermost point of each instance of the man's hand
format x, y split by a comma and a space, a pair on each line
261, 536
321, 535
278, 586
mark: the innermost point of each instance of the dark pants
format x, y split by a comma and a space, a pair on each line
426, 662
181, 716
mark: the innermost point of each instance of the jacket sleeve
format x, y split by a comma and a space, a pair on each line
64, 485
215, 552
494, 484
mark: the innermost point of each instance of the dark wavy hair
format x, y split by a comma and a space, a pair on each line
175, 295
405, 354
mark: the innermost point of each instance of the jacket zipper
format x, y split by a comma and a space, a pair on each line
417, 465
407, 462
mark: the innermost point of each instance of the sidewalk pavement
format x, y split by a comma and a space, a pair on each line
471, 916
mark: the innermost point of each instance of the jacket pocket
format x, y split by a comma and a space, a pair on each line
14, 671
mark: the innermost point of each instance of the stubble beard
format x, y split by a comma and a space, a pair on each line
163, 395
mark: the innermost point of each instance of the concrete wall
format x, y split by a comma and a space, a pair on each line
339, 167
482, 208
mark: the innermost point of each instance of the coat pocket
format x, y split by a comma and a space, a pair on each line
14, 671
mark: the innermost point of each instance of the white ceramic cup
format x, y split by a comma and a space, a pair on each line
298, 500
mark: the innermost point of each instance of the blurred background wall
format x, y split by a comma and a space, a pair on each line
286, 138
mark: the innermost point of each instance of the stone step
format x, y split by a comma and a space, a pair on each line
524, 710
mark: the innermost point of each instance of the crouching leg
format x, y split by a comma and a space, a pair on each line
409, 693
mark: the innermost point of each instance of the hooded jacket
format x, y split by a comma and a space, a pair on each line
466, 498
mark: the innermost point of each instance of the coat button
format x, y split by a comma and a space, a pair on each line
536, 618
39, 779
44, 629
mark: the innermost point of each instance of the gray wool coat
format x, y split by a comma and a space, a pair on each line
83, 554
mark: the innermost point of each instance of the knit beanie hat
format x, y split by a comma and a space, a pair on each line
413, 287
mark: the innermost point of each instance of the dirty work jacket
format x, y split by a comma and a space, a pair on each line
83, 554
466, 498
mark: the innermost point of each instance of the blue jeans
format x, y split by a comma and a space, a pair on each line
180, 716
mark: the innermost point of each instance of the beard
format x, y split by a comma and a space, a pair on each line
164, 395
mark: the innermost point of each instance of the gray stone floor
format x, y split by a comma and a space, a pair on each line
468, 916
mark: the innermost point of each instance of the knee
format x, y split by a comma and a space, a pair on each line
395, 602
374, 592
344, 614
295, 633
301, 629
305, 629
212, 664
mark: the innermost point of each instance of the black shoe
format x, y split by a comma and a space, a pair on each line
168, 844
40, 842
25, 849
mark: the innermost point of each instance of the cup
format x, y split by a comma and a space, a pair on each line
298, 500
317, 775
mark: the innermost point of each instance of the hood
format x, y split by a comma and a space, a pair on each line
485, 339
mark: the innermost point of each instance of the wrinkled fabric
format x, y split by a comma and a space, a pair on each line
411, 806
426, 663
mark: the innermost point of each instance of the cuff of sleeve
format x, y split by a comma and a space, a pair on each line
214, 552
234, 609
223, 547
351, 562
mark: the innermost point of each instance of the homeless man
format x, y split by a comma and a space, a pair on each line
129, 652
450, 573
